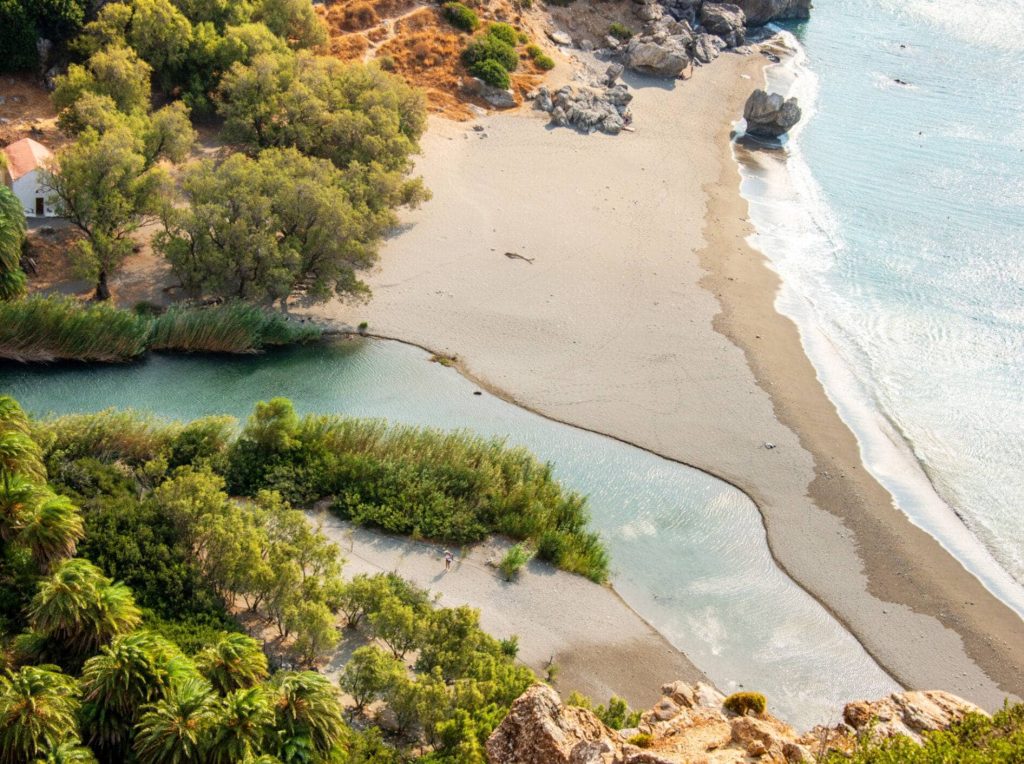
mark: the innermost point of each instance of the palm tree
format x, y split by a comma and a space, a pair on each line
12, 236
307, 709
19, 454
18, 499
176, 730
234, 662
37, 712
243, 720
67, 753
133, 670
81, 608
52, 530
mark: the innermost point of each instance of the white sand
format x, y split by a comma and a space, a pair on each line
602, 648
609, 328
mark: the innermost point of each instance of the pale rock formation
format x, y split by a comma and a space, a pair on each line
770, 115
760, 12
908, 713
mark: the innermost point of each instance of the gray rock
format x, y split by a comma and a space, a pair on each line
667, 58
612, 73
612, 42
495, 97
588, 110
649, 12
726, 21
586, 46
559, 38
706, 47
760, 12
770, 115
543, 100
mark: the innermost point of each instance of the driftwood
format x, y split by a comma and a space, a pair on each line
517, 256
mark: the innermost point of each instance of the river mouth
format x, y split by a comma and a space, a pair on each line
688, 551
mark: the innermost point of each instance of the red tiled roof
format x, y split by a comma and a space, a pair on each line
24, 156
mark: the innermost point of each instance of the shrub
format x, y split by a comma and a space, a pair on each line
743, 703
620, 31
488, 47
544, 62
510, 646
387, 63
640, 740
462, 17
491, 72
533, 50
504, 32
513, 561
235, 327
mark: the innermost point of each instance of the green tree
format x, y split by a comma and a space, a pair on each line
234, 662
12, 239
101, 183
52, 530
264, 229
241, 724
292, 20
398, 626
133, 670
113, 71
17, 36
313, 625
176, 729
67, 753
38, 705
369, 673
308, 714
81, 608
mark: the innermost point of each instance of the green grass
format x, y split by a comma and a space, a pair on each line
235, 327
42, 329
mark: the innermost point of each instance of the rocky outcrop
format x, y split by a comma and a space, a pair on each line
760, 12
724, 20
908, 713
667, 58
690, 724
496, 97
706, 47
588, 110
770, 115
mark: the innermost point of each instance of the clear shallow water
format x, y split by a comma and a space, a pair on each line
897, 225
688, 551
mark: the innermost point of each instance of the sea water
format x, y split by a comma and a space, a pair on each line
688, 551
895, 217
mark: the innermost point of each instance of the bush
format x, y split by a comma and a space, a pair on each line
513, 561
490, 48
640, 740
462, 17
533, 50
544, 62
743, 703
504, 32
620, 31
491, 72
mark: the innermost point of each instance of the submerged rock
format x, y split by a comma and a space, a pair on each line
760, 12
770, 115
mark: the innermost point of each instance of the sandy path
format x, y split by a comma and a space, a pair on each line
600, 645
646, 316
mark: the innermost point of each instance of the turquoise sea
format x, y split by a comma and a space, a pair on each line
896, 220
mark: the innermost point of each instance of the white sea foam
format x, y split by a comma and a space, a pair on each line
801, 237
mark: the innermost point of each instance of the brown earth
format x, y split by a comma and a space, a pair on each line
26, 112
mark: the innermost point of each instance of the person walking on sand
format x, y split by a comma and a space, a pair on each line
448, 557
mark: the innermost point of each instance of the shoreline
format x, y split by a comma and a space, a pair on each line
609, 333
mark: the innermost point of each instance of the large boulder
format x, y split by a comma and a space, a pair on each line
659, 59
706, 47
760, 12
908, 713
770, 115
725, 20
495, 97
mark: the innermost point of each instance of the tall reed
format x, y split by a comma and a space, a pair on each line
235, 327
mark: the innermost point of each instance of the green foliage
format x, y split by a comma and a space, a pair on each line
743, 703
515, 558
17, 36
38, 706
114, 71
533, 50
487, 47
233, 327
620, 31
617, 714
12, 239
544, 62
52, 328
491, 72
461, 16
977, 739
266, 228
640, 740
504, 32
369, 673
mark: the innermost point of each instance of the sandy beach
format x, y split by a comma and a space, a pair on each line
633, 306
601, 647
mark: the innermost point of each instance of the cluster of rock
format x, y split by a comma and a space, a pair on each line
689, 723
770, 115
586, 109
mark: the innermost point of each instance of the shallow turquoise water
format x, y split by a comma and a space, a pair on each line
897, 225
688, 551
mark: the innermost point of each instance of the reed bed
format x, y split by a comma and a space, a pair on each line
234, 327
41, 329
